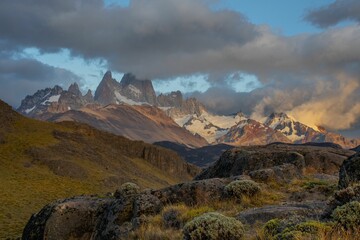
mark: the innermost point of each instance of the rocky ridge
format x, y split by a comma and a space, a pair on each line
190, 114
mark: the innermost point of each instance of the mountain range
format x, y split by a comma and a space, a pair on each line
132, 109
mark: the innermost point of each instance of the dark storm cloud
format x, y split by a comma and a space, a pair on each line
19, 78
148, 37
313, 76
334, 13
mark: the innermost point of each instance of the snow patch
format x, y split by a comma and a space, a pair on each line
122, 99
134, 89
51, 99
27, 111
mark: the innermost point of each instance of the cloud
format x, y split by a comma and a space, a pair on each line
21, 77
334, 13
164, 39
144, 38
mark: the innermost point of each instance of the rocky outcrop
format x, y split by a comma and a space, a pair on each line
310, 210
283, 161
40, 101
350, 172
251, 132
114, 218
73, 218
54, 100
129, 90
192, 193
138, 90
105, 92
356, 149
190, 106
173, 99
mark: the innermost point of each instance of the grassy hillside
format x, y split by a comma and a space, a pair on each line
41, 162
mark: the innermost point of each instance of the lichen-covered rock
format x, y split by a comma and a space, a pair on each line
282, 173
277, 158
213, 226
65, 219
192, 193
241, 188
126, 190
311, 210
146, 204
350, 172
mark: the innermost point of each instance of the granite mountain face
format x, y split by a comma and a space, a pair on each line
132, 109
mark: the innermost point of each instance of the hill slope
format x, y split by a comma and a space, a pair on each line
145, 122
41, 161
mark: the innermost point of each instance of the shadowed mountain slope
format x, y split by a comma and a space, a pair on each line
145, 122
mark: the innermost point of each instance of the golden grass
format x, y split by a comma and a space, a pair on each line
26, 186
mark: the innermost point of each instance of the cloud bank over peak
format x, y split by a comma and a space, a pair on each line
312, 76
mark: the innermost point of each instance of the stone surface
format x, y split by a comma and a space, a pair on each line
192, 193
264, 162
310, 210
350, 172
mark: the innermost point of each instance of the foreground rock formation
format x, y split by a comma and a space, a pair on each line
125, 212
278, 162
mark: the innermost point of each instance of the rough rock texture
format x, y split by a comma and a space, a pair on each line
193, 192
111, 218
251, 132
188, 106
137, 90
281, 173
66, 219
265, 161
311, 210
173, 99
357, 149
350, 172
39, 102
105, 92
54, 100
129, 88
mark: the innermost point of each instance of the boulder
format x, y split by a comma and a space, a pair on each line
350, 172
279, 161
193, 192
73, 218
310, 210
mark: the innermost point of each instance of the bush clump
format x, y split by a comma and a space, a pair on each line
127, 189
271, 228
240, 188
213, 226
348, 216
294, 228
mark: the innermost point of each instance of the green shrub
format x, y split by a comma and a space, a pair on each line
289, 235
271, 228
348, 216
127, 189
312, 227
213, 226
239, 188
